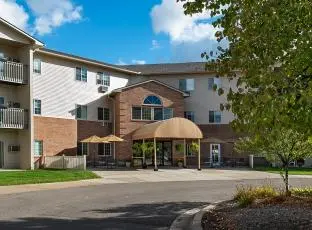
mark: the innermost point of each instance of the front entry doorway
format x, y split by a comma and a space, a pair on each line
164, 153
215, 154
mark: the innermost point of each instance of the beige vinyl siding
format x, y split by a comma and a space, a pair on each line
59, 91
201, 99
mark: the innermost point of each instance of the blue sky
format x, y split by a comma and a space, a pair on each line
117, 32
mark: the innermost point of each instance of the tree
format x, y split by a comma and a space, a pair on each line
270, 43
269, 53
283, 145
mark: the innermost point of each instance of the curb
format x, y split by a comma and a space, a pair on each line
191, 219
184, 219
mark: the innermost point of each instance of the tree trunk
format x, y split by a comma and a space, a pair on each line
286, 180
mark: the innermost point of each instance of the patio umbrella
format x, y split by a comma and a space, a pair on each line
113, 139
94, 140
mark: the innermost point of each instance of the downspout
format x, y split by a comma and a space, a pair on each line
114, 124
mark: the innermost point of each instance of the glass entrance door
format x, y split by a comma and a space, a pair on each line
1, 154
215, 154
164, 153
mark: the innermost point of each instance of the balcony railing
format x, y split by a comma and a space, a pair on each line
13, 72
12, 118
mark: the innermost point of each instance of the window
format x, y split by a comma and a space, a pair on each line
81, 112
189, 115
82, 149
189, 153
158, 114
100, 114
1, 101
81, 74
168, 113
37, 107
152, 100
106, 114
102, 79
136, 113
151, 113
104, 149
214, 81
38, 148
214, 117
103, 114
37, 65
186, 85
146, 113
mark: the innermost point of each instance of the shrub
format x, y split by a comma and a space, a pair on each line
306, 192
246, 195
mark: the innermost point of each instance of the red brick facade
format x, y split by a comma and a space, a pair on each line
59, 136
135, 96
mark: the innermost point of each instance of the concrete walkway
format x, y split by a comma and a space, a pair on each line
148, 175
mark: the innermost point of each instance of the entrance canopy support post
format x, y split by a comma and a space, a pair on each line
155, 157
184, 157
199, 168
143, 152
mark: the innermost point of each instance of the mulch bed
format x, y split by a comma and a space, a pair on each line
274, 213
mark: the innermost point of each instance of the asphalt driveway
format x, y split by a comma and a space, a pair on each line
146, 205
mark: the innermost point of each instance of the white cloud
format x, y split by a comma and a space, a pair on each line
138, 62
169, 18
51, 14
155, 45
14, 13
121, 62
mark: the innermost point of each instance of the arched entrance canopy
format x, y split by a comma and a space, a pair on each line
174, 128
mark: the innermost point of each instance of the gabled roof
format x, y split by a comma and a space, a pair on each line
86, 60
36, 41
169, 68
148, 81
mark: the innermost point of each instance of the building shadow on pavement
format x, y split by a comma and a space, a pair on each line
135, 216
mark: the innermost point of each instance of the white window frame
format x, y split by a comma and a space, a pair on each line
82, 149
76, 107
100, 79
35, 70
80, 77
152, 113
186, 88
214, 117
216, 81
34, 107
219, 154
41, 142
104, 153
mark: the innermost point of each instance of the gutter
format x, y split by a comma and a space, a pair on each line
84, 60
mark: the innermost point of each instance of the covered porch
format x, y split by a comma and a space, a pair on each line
164, 138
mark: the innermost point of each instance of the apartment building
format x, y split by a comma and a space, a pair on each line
50, 101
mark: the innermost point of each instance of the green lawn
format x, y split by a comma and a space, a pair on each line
292, 171
43, 176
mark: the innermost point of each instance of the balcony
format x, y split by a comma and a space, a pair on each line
13, 72
12, 118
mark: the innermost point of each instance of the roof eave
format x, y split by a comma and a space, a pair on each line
80, 59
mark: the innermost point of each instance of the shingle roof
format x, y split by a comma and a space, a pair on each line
168, 68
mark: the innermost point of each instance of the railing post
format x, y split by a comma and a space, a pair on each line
84, 162
63, 160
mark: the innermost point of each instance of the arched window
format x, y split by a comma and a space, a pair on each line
152, 100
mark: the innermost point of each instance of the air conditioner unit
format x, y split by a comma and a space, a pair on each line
103, 89
14, 148
12, 104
